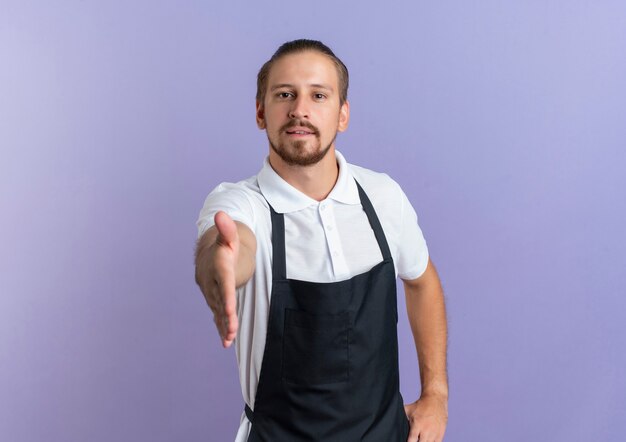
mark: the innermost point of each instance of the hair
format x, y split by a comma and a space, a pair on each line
302, 45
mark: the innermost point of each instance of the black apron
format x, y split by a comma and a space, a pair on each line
330, 367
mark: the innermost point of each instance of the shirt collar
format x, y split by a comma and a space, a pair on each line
285, 198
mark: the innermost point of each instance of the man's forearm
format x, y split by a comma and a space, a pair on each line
427, 316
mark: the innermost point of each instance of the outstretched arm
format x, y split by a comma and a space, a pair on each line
224, 261
427, 315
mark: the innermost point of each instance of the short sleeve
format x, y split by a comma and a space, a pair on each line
412, 248
230, 198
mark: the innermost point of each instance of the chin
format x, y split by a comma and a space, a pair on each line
300, 156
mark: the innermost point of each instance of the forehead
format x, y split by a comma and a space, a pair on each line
309, 67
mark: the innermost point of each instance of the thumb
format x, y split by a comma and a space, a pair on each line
226, 227
408, 409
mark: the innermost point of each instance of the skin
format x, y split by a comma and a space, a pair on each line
427, 315
303, 96
302, 90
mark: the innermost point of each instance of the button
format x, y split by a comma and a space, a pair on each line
329, 227
335, 254
322, 206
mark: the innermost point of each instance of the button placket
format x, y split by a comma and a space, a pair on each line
333, 241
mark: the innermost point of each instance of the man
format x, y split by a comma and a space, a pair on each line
299, 266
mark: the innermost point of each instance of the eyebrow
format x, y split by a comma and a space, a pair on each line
314, 85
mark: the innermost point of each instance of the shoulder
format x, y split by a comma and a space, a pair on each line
379, 186
398, 219
242, 200
389, 200
243, 189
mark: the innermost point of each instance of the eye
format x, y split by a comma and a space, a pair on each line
319, 96
284, 95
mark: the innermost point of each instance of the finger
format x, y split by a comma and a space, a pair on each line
225, 289
430, 433
227, 329
415, 433
426, 437
215, 300
227, 304
436, 434
231, 325
231, 322
219, 324
226, 227
212, 300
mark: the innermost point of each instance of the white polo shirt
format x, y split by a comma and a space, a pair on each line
325, 241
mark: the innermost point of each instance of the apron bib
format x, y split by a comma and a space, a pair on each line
330, 365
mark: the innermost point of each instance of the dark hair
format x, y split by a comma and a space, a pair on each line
302, 45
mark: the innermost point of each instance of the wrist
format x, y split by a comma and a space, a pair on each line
440, 391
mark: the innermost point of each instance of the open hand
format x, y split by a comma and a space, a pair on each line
220, 289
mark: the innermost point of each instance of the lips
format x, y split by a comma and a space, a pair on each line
299, 131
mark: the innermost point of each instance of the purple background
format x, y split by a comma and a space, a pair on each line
505, 122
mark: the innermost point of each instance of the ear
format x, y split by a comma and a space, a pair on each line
260, 115
344, 116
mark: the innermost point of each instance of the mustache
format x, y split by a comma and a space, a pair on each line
296, 123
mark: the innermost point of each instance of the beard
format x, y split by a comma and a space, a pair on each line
297, 156
295, 153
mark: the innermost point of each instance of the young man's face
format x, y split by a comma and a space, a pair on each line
301, 111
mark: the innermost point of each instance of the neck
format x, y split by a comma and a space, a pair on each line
315, 181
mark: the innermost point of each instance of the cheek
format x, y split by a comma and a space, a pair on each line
331, 120
272, 121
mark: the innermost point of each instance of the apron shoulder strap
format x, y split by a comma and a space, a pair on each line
279, 264
374, 222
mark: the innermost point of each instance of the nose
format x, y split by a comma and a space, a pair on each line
299, 108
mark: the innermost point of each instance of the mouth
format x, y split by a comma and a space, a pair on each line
299, 131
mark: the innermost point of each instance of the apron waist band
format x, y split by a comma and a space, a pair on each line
249, 414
